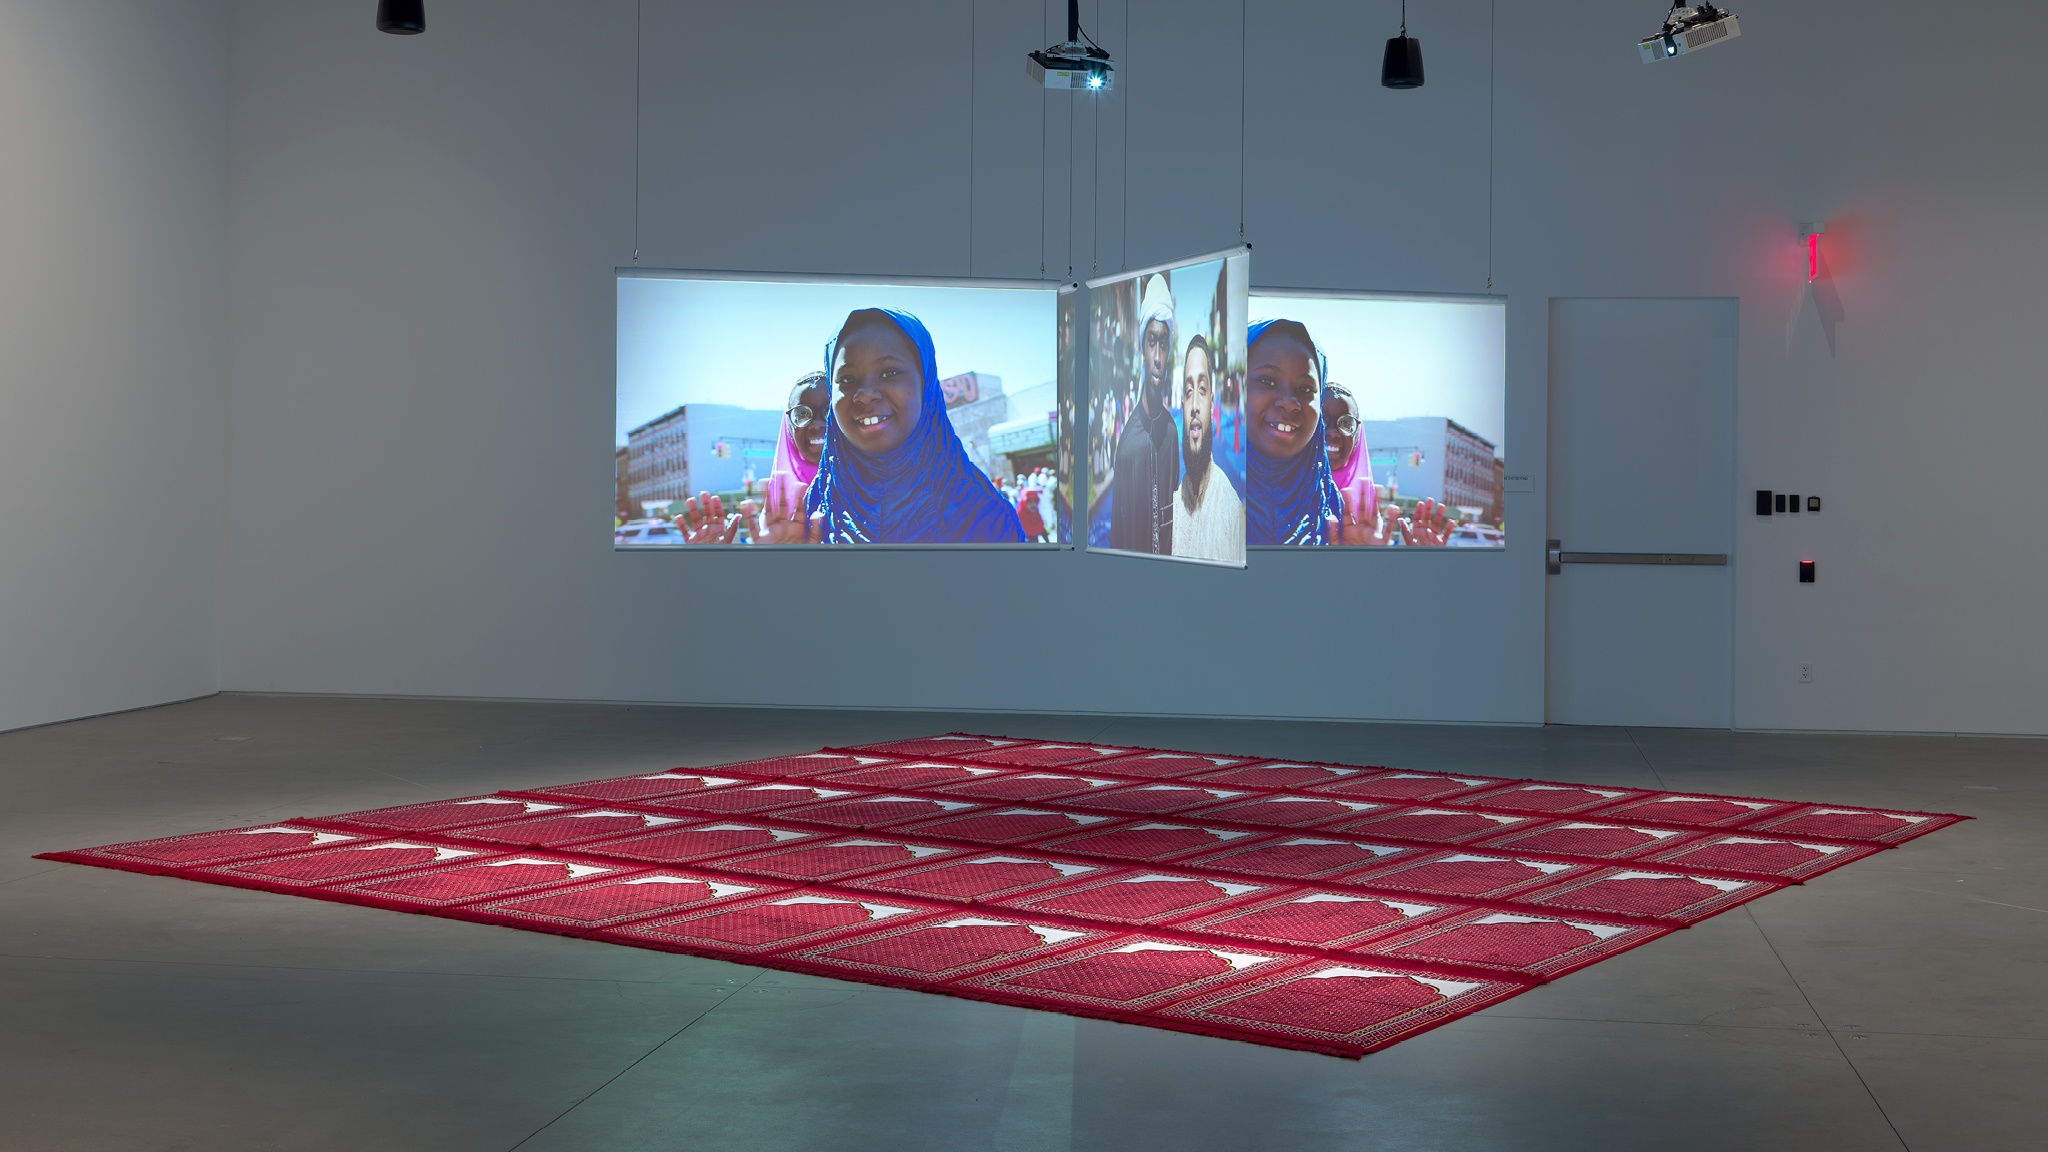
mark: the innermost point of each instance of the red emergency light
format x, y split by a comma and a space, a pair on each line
1810, 235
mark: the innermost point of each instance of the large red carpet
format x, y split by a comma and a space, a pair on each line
1333, 908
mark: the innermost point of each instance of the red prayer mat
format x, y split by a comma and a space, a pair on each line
1328, 907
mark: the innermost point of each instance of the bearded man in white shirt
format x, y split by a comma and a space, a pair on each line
1208, 516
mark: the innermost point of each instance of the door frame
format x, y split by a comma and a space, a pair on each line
1734, 505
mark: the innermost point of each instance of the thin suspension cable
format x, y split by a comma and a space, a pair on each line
1044, 164
1491, 47
973, 13
1244, 21
636, 132
1095, 171
1123, 188
1070, 188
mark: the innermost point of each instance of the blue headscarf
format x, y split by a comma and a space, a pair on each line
1287, 501
924, 491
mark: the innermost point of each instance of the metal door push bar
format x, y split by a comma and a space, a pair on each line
1555, 558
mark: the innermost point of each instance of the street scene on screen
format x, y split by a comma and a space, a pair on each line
776, 412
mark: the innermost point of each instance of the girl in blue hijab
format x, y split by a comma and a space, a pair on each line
1289, 496
894, 471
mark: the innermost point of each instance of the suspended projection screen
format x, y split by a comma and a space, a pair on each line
1375, 421
758, 409
1166, 449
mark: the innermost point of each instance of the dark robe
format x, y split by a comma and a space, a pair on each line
1147, 474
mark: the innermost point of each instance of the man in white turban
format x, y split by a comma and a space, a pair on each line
1148, 453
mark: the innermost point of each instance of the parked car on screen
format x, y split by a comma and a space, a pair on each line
646, 532
1476, 536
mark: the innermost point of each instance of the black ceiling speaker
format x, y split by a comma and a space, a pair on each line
1402, 65
402, 17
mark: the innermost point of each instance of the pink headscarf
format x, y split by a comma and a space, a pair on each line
791, 474
1354, 479
789, 459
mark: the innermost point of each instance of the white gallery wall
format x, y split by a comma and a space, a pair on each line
423, 232
113, 207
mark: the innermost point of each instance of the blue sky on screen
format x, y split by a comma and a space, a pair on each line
745, 342
1410, 357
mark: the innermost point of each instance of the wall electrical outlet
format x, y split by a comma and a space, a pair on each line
1806, 673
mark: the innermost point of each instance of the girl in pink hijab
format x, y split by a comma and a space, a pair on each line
1344, 443
797, 452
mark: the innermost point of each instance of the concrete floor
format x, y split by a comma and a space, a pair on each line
1896, 1003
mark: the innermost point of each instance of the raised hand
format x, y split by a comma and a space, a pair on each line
1373, 529
1429, 526
704, 521
784, 491
1350, 533
783, 521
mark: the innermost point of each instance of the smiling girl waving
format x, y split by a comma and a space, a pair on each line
893, 470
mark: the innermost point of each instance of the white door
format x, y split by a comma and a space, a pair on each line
1641, 487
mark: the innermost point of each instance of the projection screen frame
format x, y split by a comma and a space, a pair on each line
642, 272
1118, 277
1378, 294
1168, 266
1256, 290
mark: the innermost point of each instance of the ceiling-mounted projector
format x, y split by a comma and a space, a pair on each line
1077, 62
1689, 30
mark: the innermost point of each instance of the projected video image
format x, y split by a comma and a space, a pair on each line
1166, 445
1375, 422
777, 411
1068, 368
